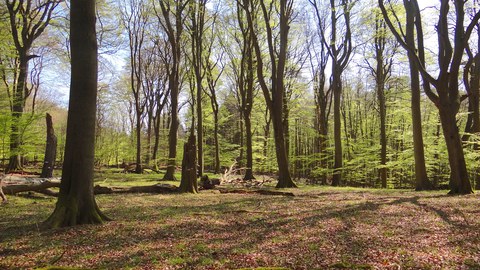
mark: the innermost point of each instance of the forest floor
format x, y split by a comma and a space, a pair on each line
318, 228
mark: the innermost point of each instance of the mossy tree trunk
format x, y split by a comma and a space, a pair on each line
76, 203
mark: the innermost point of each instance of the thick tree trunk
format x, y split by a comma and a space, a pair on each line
459, 182
76, 203
188, 183
284, 177
50, 150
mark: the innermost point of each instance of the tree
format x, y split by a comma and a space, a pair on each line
245, 84
381, 71
28, 20
322, 93
197, 30
447, 96
274, 95
471, 80
135, 17
214, 69
340, 51
76, 203
171, 19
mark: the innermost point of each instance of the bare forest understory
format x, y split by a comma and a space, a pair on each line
317, 228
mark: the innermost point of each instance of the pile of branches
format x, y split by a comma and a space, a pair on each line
231, 177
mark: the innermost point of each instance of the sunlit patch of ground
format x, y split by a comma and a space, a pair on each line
316, 229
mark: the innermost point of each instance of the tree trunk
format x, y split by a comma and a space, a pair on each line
138, 166
15, 161
421, 179
459, 181
172, 135
383, 131
156, 143
337, 129
50, 150
248, 138
188, 183
199, 124
217, 146
76, 203
284, 177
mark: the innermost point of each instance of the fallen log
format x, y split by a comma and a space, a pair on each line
43, 187
17, 188
156, 189
255, 191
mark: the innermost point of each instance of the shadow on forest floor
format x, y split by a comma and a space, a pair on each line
316, 229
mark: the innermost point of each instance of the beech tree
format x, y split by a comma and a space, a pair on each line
383, 53
447, 95
28, 20
274, 95
339, 47
135, 18
171, 18
76, 203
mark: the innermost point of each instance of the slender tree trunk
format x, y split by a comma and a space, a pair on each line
383, 131
50, 150
199, 124
248, 138
156, 139
421, 179
172, 139
217, 146
337, 129
138, 166
76, 203
15, 161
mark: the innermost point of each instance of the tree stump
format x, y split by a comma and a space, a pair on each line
50, 150
188, 183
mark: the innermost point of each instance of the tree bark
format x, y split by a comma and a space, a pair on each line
421, 178
274, 95
76, 203
174, 33
15, 160
188, 183
337, 128
50, 150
